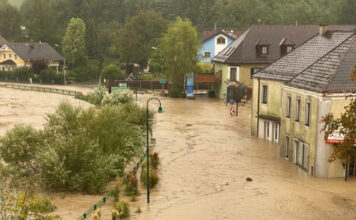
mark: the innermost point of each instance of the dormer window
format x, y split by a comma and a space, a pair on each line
220, 40
262, 50
285, 49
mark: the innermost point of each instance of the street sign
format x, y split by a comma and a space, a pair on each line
163, 81
113, 89
122, 86
190, 86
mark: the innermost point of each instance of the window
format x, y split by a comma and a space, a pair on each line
220, 40
253, 71
207, 54
233, 73
4, 56
289, 101
289, 48
276, 131
264, 94
285, 49
307, 113
286, 148
305, 156
266, 129
297, 110
262, 50
9, 55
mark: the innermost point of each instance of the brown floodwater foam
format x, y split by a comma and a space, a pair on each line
206, 156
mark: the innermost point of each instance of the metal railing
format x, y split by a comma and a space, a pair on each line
42, 89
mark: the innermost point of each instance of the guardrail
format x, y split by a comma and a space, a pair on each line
42, 89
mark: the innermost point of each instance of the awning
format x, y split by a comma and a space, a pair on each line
8, 63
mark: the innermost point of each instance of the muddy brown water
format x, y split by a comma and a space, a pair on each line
206, 156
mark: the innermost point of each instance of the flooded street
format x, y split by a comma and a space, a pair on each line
206, 156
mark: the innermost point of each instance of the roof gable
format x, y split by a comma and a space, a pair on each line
40, 51
231, 33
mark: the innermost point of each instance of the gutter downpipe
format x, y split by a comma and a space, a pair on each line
258, 108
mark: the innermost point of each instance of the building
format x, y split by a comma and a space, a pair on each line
291, 95
14, 55
258, 47
214, 41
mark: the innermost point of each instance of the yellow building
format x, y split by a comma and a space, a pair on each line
258, 47
14, 55
291, 96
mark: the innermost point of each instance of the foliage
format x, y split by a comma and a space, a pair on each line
39, 65
139, 34
123, 208
131, 185
113, 72
86, 72
21, 73
344, 125
153, 76
179, 47
203, 68
154, 159
95, 97
74, 49
118, 97
47, 75
153, 178
23, 205
10, 18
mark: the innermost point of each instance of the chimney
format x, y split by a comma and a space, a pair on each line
32, 43
323, 28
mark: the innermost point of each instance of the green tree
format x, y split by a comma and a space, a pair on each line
139, 35
74, 49
111, 71
179, 48
10, 23
40, 21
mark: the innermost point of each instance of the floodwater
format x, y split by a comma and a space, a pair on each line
206, 156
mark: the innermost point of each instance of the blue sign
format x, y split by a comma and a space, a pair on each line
190, 86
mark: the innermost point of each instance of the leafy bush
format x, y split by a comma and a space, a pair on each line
154, 159
131, 185
95, 97
113, 72
22, 73
39, 65
118, 97
84, 73
153, 178
123, 208
48, 75
203, 68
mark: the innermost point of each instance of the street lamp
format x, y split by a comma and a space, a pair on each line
160, 110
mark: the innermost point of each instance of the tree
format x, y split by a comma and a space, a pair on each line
346, 126
74, 49
10, 22
139, 35
40, 21
179, 49
111, 71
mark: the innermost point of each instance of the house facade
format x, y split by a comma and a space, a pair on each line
214, 41
14, 55
258, 47
291, 96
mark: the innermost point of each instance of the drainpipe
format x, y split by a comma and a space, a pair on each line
258, 108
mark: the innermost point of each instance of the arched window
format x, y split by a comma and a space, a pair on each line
221, 40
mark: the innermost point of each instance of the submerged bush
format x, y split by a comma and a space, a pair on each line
153, 178
95, 97
131, 185
123, 209
118, 97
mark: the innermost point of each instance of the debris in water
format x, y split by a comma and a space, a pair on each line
248, 179
188, 125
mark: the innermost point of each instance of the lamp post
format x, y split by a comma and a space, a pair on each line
160, 110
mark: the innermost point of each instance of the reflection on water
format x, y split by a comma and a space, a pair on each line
206, 157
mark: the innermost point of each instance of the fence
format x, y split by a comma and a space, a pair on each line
140, 84
42, 89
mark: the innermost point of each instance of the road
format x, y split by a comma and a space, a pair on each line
206, 156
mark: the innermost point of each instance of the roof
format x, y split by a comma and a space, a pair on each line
302, 57
232, 33
2, 41
243, 49
332, 72
40, 51
8, 63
